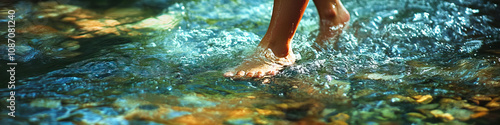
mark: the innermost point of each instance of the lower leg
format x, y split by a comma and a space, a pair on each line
333, 18
278, 38
284, 22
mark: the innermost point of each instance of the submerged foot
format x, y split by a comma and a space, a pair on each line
263, 63
333, 20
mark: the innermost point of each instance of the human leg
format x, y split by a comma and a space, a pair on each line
275, 50
333, 18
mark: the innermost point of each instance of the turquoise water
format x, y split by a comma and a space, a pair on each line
442, 48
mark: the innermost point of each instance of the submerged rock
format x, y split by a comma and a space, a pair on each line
46, 103
399, 63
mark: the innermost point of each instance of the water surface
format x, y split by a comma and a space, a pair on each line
394, 52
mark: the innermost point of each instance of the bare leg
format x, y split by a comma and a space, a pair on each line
333, 18
274, 50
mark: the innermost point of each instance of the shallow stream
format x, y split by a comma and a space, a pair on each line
161, 62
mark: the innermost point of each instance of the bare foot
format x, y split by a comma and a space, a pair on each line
333, 20
263, 63
275, 49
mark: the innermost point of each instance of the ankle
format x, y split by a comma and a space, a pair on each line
281, 51
336, 15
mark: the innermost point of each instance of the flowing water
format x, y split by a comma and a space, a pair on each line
393, 52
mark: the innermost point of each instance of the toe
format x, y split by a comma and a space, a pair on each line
259, 74
250, 74
272, 73
240, 74
228, 74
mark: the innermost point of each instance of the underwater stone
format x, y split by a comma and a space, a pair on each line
481, 98
65, 112
415, 120
455, 122
363, 92
471, 46
148, 107
448, 103
493, 104
23, 49
71, 45
43, 115
475, 108
161, 22
423, 99
388, 113
240, 121
77, 91
195, 101
296, 111
479, 114
52, 9
339, 117
46, 103
416, 115
107, 111
38, 30
86, 116
174, 114
460, 114
427, 107
377, 76
444, 116
399, 98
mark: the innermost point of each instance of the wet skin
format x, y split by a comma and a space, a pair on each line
274, 51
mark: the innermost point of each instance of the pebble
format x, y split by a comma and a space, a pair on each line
460, 114
71, 45
481, 98
378, 76
37, 29
479, 114
161, 22
46, 103
444, 116
428, 106
423, 99
496, 99
388, 113
195, 101
340, 117
493, 104
86, 116
52, 9
69, 19
448, 103
475, 108
400, 98
415, 114
478, 98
